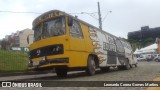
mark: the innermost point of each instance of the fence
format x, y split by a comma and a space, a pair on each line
13, 61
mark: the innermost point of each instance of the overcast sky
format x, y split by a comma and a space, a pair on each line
126, 16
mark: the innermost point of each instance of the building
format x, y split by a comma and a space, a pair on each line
19, 39
22, 37
158, 42
143, 37
145, 32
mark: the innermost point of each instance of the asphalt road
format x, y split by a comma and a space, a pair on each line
146, 71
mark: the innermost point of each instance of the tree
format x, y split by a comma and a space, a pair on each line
5, 44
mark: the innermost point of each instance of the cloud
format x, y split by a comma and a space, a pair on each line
126, 16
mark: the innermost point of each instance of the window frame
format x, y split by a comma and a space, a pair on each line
43, 36
74, 34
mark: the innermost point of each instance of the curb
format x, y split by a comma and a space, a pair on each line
7, 74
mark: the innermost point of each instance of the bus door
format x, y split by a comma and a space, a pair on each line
77, 42
120, 51
111, 52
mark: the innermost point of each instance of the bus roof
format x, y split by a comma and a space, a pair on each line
63, 13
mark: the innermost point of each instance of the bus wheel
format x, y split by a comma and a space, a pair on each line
127, 66
131, 66
91, 66
61, 72
104, 69
135, 65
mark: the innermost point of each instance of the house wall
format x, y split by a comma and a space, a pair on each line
158, 49
23, 37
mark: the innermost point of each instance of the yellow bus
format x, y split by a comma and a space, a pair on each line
65, 43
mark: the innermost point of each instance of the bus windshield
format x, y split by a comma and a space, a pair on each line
50, 28
37, 33
54, 27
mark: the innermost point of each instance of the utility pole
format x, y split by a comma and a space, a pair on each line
100, 18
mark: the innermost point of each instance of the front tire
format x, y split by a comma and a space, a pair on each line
135, 65
91, 66
61, 72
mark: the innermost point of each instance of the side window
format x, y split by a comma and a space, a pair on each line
75, 30
119, 45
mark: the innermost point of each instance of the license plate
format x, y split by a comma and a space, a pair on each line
35, 63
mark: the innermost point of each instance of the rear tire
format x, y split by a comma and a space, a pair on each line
61, 72
127, 66
91, 66
135, 65
131, 65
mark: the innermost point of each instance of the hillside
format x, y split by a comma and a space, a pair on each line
144, 37
141, 44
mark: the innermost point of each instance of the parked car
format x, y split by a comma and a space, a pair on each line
157, 58
141, 58
149, 57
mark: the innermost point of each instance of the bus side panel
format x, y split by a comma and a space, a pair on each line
88, 42
120, 52
128, 51
77, 59
98, 39
77, 50
128, 54
111, 50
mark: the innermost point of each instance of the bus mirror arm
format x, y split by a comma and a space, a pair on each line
70, 21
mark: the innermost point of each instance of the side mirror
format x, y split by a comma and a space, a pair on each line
70, 21
28, 39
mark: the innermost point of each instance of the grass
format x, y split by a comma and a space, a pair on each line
12, 61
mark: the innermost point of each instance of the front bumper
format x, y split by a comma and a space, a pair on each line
48, 62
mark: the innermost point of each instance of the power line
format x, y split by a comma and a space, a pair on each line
74, 13
91, 14
39, 13
106, 15
19, 12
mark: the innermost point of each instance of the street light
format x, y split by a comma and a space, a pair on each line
90, 14
106, 15
93, 16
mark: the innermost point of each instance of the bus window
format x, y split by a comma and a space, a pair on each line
54, 27
75, 30
37, 33
120, 48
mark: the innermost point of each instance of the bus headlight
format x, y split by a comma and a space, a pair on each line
30, 61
